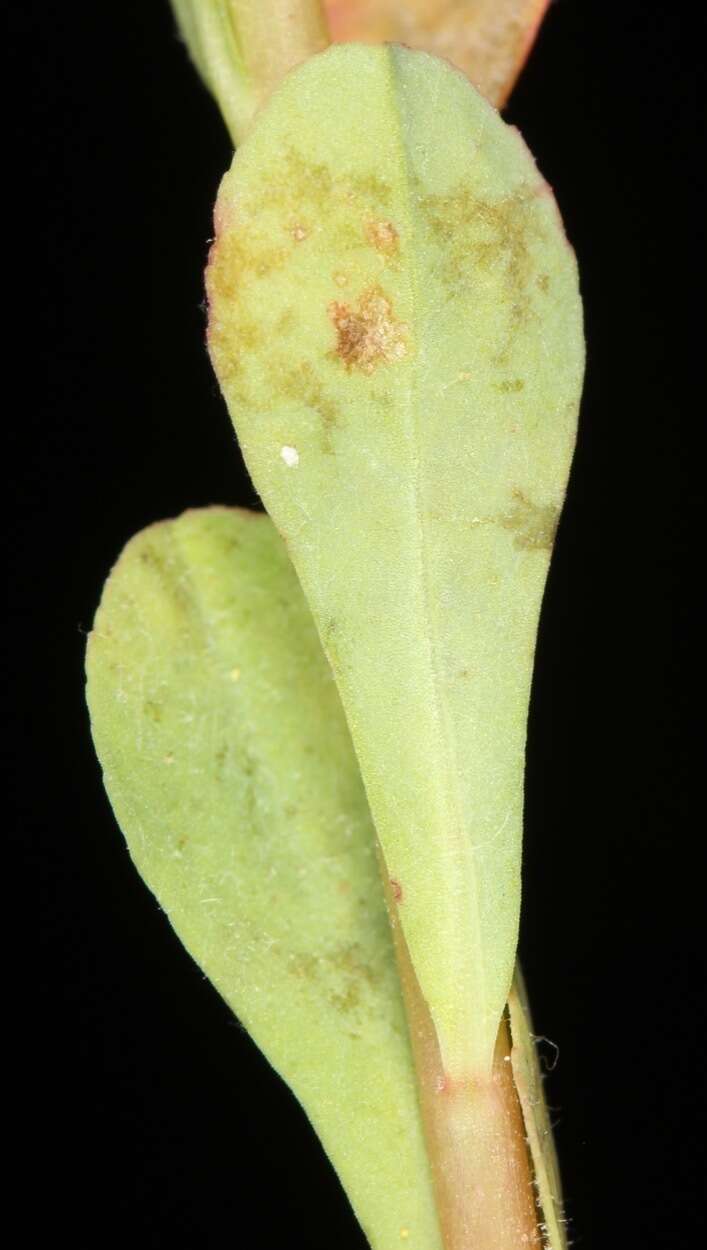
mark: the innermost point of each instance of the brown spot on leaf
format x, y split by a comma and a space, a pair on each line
354, 975
240, 255
299, 233
304, 180
533, 527
286, 322
371, 187
396, 890
343, 974
480, 236
249, 334
302, 385
370, 334
383, 236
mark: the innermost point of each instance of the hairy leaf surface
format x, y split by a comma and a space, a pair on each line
396, 326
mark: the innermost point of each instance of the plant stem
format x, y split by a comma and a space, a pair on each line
276, 35
475, 1133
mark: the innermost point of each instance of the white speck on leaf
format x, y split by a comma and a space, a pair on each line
290, 455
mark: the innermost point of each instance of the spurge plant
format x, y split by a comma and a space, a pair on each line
312, 721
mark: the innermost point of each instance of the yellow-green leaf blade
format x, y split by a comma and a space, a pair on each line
229, 765
395, 322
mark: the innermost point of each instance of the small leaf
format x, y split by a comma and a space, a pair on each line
230, 769
488, 39
396, 325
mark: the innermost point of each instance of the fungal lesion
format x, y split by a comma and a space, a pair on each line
160, 559
242, 253
300, 383
368, 334
220, 757
479, 236
344, 974
249, 335
368, 187
484, 232
383, 236
532, 525
304, 179
297, 179
286, 322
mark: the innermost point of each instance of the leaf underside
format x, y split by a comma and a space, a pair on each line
396, 326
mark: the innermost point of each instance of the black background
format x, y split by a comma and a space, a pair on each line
143, 1110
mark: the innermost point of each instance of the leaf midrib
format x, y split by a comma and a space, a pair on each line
449, 800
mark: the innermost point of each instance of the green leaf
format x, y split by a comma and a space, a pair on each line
229, 765
396, 326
